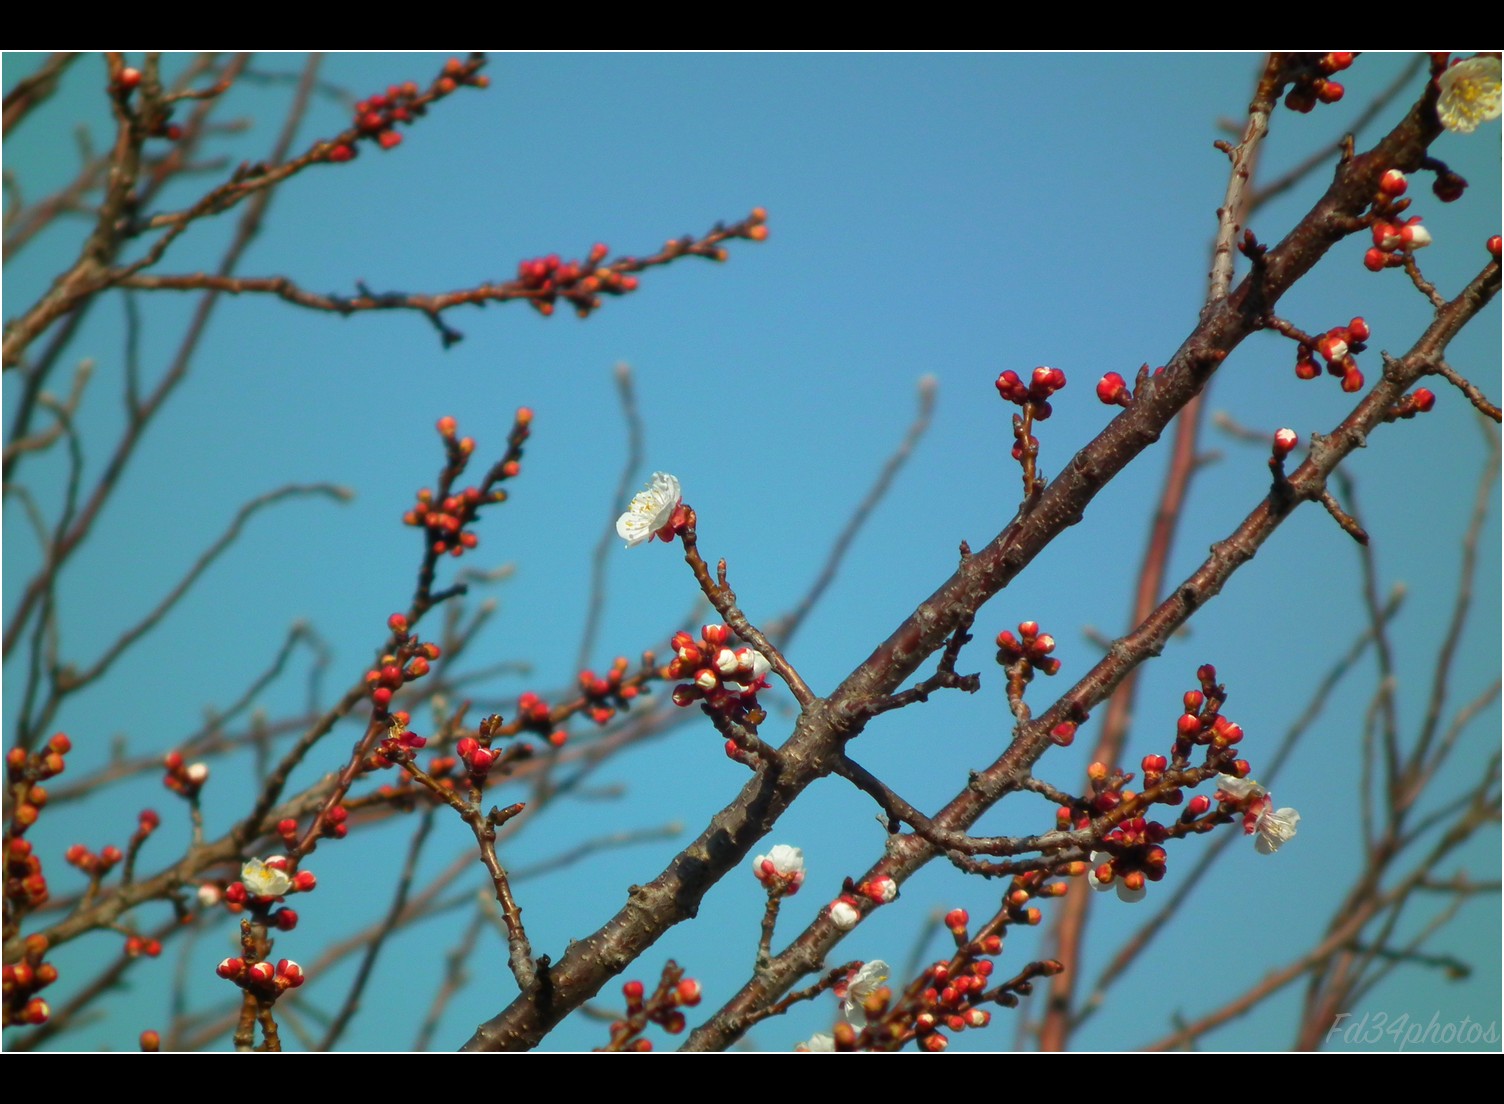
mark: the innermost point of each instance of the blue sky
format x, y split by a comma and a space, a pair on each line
930, 215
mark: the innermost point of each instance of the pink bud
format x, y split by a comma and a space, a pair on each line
1331, 346
1386, 235
1112, 389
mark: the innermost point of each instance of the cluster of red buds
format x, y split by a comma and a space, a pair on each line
262, 978
183, 778
606, 695
1034, 648
1396, 238
1033, 396
1109, 791
1310, 74
1337, 347
1034, 399
142, 946
1202, 723
410, 662
536, 715
1394, 242
24, 979
950, 995
477, 757
726, 679
1020, 656
25, 884
445, 516
95, 866
662, 1007
376, 117
333, 825
1131, 854
579, 282
24, 774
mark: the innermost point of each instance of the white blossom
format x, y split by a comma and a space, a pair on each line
783, 863
1469, 94
1275, 827
866, 981
650, 510
264, 881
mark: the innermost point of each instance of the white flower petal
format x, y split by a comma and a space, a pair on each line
868, 979
650, 510
1470, 94
786, 860
1275, 828
264, 881
1239, 789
